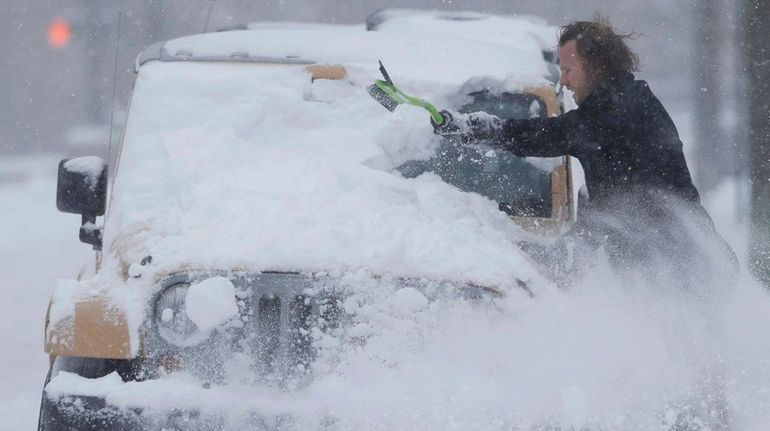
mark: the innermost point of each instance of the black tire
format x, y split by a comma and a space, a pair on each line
40, 422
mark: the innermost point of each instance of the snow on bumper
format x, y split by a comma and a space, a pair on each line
177, 402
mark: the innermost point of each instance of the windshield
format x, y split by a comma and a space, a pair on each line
256, 166
519, 188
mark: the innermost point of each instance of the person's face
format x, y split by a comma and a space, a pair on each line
573, 73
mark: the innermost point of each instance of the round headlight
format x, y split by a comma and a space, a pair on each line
172, 321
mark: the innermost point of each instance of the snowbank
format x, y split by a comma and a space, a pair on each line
610, 354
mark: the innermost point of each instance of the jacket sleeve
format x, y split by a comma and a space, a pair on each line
537, 137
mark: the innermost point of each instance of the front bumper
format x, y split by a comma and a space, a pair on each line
86, 413
177, 402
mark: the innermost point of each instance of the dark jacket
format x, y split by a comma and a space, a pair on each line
642, 203
624, 138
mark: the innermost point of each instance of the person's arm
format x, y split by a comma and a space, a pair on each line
536, 137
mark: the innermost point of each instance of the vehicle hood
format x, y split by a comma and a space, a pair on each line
258, 168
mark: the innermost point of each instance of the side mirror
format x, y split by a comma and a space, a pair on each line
82, 189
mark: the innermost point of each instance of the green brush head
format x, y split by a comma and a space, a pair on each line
389, 96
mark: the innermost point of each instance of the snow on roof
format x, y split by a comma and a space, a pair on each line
428, 57
526, 33
299, 25
520, 31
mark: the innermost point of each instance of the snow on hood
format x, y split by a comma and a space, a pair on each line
255, 167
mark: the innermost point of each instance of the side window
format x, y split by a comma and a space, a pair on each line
520, 188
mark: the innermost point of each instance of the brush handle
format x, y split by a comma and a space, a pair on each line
400, 97
436, 116
416, 101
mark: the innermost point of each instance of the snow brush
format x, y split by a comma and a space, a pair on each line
389, 96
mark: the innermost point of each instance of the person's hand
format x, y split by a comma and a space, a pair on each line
448, 127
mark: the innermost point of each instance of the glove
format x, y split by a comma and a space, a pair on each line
448, 127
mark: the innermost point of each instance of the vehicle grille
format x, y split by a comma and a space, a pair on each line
280, 314
281, 332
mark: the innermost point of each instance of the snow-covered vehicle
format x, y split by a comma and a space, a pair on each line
262, 200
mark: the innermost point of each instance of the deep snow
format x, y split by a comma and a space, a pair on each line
597, 351
38, 245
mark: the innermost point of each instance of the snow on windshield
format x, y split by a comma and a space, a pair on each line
245, 166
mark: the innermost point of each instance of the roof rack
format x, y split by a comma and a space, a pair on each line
158, 52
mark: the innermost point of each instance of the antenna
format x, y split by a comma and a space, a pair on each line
208, 16
114, 85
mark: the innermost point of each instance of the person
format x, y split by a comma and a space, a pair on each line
643, 207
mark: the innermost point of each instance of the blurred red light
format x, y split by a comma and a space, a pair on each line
59, 33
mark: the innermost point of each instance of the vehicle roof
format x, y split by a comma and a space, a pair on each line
529, 33
498, 28
424, 57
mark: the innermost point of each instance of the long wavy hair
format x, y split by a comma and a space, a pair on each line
604, 52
